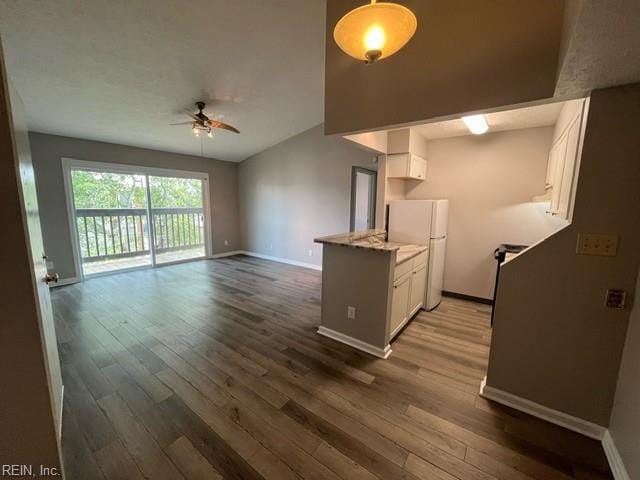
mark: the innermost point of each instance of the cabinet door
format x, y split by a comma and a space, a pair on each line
400, 302
558, 153
569, 173
418, 286
417, 167
398, 165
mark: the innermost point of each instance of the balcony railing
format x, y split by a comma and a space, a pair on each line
107, 234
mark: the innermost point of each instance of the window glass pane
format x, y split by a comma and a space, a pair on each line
178, 218
111, 219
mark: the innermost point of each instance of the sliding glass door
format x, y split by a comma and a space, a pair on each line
178, 218
128, 217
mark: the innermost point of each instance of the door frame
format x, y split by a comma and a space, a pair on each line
70, 164
372, 194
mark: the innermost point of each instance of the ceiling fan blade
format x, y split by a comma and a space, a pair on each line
224, 126
182, 123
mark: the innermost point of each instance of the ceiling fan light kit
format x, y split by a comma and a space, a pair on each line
375, 31
201, 123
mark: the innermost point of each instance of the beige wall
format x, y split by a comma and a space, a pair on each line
554, 342
489, 181
47, 150
625, 417
498, 53
296, 191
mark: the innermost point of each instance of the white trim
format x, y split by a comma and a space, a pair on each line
225, 254
575, 424
71, 216
281, 260
613, 457
97, 166
355, 343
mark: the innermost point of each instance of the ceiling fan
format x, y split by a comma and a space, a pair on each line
201, 123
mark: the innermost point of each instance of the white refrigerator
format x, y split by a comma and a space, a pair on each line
423, 222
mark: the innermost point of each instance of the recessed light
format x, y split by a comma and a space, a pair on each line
477, 124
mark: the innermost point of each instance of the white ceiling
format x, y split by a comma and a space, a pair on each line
121, 71
528, 117
602, 46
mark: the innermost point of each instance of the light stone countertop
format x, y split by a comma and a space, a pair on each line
374, 240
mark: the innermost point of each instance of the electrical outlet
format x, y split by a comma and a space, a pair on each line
596, 244
615, 298
351, 313
50, 265
271, 246
310, 252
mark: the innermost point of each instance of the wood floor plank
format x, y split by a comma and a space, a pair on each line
214, 369
190, 462
146, 453
116, 463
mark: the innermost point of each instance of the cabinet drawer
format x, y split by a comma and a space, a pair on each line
403, 268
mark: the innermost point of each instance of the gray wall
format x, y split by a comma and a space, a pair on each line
554, 342
47, 150
625, 417
296, 191
489, 181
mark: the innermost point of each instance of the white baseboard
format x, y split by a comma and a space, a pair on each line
64, 281
575, 424
355, 343
613, 457
225, 254
282, 260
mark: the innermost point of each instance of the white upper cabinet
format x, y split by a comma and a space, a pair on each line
406, 155
562, 169
406, 165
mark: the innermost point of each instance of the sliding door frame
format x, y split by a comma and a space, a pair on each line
71, 164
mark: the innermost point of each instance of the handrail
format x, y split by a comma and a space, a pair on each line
110, 233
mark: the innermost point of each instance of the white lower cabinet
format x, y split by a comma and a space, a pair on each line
400, 302
418, 287
408, 293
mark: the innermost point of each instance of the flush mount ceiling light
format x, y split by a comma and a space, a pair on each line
375, 31
477, 124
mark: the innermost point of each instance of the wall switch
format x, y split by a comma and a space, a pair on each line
615, 298
596, 244
351, 313
271, 246
226, 242
310, 253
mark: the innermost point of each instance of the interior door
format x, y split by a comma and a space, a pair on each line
363, 198
33, 381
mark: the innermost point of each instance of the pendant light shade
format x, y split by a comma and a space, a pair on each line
375, 31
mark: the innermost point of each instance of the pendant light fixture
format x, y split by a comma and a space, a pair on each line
375, 31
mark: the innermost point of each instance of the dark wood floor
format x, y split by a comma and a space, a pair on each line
213, 370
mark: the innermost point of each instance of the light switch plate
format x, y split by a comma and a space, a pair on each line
597, 244
351, 313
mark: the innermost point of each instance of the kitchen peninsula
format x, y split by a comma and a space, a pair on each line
371, 288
